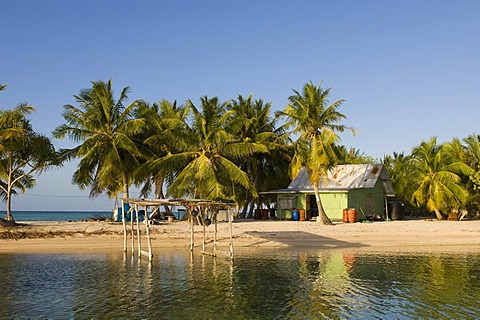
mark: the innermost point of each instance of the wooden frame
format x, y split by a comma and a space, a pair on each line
191, 204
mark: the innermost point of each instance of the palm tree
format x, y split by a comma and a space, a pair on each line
472, 158
205, 166
353, 156
472, 151
316, 122
437, 178
399, 173
23, 152
105, 127
250, 122
165, 122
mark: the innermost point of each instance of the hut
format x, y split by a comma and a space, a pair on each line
363, 187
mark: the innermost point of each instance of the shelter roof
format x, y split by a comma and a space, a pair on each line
177, 202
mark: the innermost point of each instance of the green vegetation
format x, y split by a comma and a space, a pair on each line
317, 122
23, 153
233, 150
438, 178
106, 128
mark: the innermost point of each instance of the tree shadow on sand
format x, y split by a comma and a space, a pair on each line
297, 239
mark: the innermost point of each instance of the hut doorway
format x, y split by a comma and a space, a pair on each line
312, 208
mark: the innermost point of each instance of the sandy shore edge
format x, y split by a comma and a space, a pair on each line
393, 235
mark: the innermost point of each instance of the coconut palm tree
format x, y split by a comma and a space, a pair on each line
251, 121
436, 178
400, 174
23, 152
353, 156
472, 151
165, 124
205, 166
472, 158
106, 128
316, 121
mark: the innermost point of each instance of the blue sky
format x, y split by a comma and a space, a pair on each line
408, 70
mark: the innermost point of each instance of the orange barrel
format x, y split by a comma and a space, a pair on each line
302, 214
345, 215
352, 215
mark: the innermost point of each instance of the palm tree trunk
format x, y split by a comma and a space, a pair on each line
126, 193
243, 214
159, 194
438, 214
9, 216
322, 216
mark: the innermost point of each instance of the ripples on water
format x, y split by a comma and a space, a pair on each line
258, 285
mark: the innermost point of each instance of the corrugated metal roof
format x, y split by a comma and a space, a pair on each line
344, 177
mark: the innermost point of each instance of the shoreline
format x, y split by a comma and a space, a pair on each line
95, 236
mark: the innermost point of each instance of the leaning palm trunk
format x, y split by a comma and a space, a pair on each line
126, 193
438, 214
322, 216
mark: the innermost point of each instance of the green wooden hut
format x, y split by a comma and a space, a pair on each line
364, 187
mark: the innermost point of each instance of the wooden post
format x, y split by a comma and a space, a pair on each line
138, 231
230, 219
124, 228
191, 228
149, 240
386, 207
131, 229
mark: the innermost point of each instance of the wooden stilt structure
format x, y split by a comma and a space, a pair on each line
124, 222
197, 209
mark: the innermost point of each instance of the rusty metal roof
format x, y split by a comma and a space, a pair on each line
344, 178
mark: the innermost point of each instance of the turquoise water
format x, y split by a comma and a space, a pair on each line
21, 216
258, 284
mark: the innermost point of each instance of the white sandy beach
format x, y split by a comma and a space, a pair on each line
392, 235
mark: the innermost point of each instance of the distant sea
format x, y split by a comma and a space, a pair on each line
21, 216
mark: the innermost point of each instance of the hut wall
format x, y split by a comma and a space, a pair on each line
334, 203
367, 201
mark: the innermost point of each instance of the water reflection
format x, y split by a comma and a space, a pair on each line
259, 284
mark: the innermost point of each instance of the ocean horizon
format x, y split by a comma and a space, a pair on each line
58, 215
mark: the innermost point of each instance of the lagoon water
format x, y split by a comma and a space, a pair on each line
258, 284
21, 216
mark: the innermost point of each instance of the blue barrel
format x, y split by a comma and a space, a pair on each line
126, 207
295, 215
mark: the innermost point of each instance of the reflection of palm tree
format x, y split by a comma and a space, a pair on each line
437, 180
108, 153
317, 123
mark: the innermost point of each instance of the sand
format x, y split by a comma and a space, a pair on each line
392, 235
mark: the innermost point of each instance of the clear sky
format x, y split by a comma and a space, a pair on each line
408, 70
